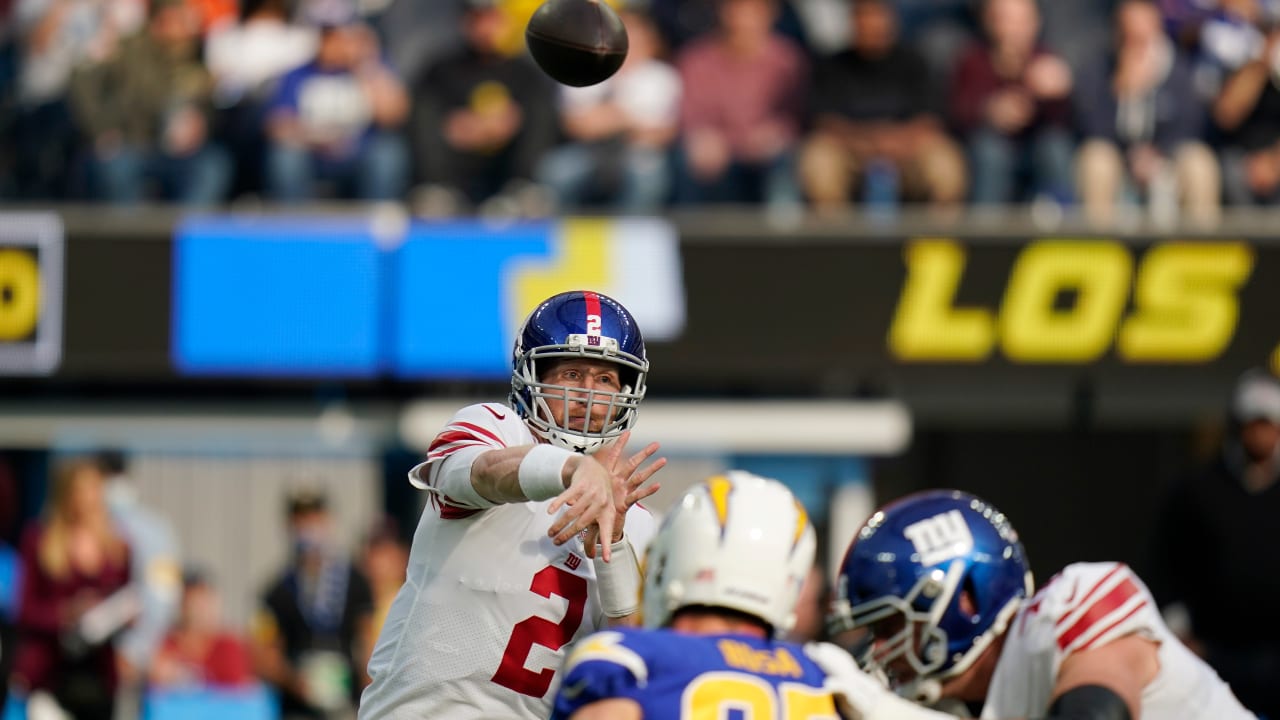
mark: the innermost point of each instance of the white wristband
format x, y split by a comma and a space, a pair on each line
618, 581
541, 472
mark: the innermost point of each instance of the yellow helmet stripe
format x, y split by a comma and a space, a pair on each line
718, 488
802, 520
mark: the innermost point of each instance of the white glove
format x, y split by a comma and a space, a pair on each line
860, 696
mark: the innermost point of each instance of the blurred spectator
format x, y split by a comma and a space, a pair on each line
156, 574
1215, 544
482, 120
1080, 31
386, 557
1142, 124
71, 562
877, 123
54, 37
681, 22
1184, 18
339, 116
215, 14
1248, 113
247, 59
741, 118
620, 131
311, 640
416, 34
1225, 41
199, 652
146, 110
1010, 101
937, 29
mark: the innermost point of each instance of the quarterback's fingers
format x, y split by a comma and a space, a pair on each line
560, 500
569, 498
589, 542
645, 473
614, 450
568, 525
641, 493
635, 461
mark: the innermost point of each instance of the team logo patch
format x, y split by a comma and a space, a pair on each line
940, 538
573, 561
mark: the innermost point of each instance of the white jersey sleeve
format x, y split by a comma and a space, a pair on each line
446, 472
1087, 606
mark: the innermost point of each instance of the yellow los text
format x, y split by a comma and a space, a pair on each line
1184, 303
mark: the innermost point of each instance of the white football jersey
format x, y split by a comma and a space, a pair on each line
1088, 605
490, 603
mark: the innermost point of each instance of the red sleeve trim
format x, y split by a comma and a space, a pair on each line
450, 436
447, 451
1089, 595
1113, 625
1105, 605
481, 431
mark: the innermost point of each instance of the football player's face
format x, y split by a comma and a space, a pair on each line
582, 375
883, 636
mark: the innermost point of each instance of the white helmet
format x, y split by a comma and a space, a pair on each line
737, 541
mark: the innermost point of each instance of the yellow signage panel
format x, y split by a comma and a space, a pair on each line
31, 271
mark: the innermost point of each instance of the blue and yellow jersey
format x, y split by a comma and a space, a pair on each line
694, 677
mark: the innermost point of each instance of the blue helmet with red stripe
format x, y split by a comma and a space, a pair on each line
934, 577
578, 325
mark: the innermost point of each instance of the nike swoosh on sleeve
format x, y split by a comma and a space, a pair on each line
495, 413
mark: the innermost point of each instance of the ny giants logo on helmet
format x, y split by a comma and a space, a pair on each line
941, 537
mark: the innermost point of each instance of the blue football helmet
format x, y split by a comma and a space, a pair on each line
578, 324
935, 577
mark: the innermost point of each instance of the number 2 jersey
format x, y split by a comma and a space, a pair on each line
490, 604
678, 676
1086, 606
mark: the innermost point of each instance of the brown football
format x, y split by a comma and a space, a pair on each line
577, 42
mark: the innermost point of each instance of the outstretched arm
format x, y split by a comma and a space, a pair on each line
543, 472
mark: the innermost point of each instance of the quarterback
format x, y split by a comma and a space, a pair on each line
504, 571
941, 582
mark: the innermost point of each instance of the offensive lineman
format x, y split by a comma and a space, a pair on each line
724, 573
942, 583
504, 570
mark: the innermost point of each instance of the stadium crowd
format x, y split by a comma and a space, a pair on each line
102, 617
1100, 104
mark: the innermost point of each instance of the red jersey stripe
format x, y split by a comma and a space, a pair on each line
450, 436
453, 448
1084, 602
1105, 605
1113, 625
478, 431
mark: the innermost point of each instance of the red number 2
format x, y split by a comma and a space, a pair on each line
512, 673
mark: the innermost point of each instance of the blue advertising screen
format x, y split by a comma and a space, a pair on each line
351, 297
272, 297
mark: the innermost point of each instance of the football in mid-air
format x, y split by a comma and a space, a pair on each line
577, 42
